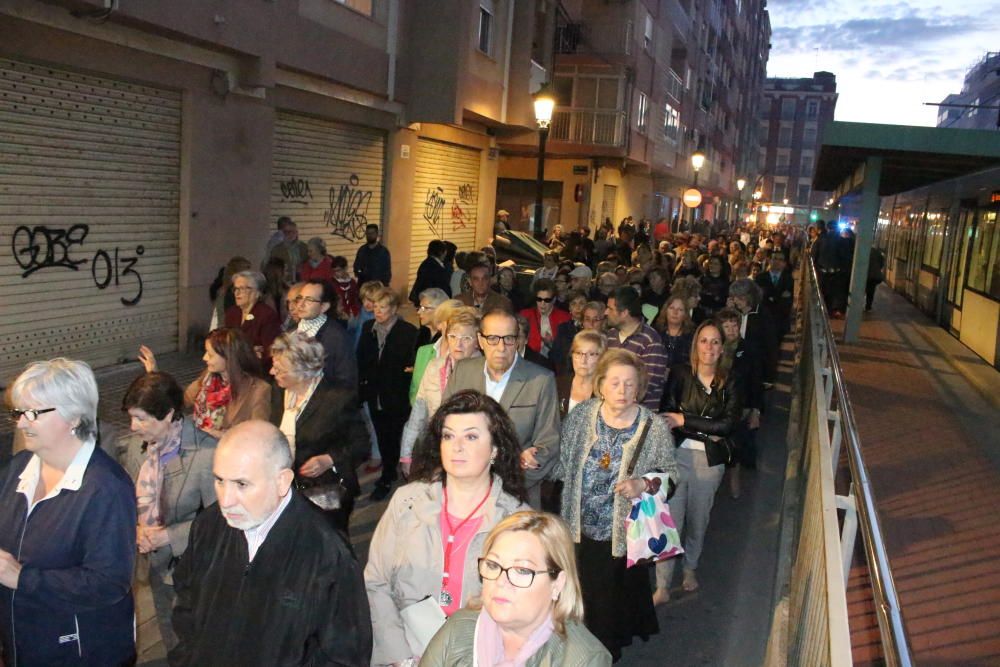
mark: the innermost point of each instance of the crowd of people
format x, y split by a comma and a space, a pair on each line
512, 425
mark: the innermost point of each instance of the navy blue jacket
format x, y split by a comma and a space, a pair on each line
73, 604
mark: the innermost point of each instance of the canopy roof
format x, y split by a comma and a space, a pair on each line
912, 156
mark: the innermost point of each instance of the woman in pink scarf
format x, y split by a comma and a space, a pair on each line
530, 612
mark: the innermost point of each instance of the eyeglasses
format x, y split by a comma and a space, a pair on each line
493, 341
455, 338
244, 289
545, 299
424, 309
307, 299
30, 414
519, 577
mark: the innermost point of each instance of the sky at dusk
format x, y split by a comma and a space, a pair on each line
889, 57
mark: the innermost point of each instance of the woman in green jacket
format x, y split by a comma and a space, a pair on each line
530, 612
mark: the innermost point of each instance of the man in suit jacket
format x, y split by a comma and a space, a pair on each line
526, 391
481, 296
777, 287
433, 272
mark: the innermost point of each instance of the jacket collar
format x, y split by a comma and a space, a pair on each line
431, 502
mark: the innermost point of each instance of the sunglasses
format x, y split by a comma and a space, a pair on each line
545, 299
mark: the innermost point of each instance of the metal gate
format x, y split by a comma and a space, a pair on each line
329, 178
89, 173
445, 198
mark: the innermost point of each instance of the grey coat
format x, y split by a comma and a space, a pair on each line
188, 486
531, 402
406, 559
579, 434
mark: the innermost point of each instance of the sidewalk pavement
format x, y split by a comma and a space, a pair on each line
929, 425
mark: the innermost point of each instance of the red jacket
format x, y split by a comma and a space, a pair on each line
324, 271
556, 317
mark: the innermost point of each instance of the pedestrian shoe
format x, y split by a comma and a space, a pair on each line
381, 493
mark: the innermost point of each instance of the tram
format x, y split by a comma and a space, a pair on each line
942, 250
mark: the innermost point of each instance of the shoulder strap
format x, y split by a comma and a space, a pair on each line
638, 448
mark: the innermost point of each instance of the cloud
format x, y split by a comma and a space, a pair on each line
913, 33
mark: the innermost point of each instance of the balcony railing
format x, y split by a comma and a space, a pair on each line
589, 126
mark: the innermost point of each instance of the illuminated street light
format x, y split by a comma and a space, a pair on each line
545, 104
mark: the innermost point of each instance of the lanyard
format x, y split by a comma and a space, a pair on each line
445, 598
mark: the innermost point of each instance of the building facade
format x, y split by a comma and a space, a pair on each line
639, 87
146, 143
792, 119
981, 88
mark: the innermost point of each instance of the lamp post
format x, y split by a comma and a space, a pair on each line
740, 184
697, 161
544, 105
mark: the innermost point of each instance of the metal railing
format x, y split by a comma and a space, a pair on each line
816, 631
589, 126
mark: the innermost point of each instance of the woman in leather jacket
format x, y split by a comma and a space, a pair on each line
702, 404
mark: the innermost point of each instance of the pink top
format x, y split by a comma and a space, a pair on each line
456, 563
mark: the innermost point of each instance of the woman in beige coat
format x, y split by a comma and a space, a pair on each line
466, 478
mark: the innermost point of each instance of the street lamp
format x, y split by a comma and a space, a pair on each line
544, 105
740, 184
697, 161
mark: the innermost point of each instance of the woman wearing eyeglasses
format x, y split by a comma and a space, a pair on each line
258, 320
460, 334
544, 318
466, 478
530, 612
577, 386
67, 529
434, 311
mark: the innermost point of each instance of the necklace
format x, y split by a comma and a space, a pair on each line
446, 599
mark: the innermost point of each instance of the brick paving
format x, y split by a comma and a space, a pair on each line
928, 420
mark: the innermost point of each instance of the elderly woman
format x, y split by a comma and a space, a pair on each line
689, 288
221, 289
170, 459
322, 422
466, 478
318, 265
257, 320
600, 438
757, 328
438, 347
702, 405
577, 386
460, 333
559, 353
385, 368
429, 299
544, 318
530, 611
65, 575
230, 390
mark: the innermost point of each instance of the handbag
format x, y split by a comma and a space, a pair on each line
327, 496
650, 532
421, 621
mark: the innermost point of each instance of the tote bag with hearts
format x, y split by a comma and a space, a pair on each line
650, 532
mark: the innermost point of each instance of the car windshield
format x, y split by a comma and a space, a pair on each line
530, 241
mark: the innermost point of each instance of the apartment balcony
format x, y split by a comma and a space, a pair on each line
595, 127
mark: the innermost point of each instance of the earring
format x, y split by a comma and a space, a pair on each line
493, 459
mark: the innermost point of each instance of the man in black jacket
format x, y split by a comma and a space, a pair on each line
777, 288
266, 580
312, 305
433, 272
373, 261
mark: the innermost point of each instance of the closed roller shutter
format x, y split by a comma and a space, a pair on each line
445, 198
89, 171
329, 178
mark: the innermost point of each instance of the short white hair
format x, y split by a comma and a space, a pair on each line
256, 277
64, 384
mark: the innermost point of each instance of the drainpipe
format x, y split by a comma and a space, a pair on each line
506, 63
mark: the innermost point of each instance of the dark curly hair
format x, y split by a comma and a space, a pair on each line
503, 436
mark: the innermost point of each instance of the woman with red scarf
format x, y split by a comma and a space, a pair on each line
230, 390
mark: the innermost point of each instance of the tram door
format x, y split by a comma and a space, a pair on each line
958, 261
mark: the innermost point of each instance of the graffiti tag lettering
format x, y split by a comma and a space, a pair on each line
296, 191
348, 212
433, 205
40, 247
466, 195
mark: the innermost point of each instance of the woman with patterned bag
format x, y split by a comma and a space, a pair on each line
602, 476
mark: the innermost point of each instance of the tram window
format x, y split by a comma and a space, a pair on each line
934, 238
982, 262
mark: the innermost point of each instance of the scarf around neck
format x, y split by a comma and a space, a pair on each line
211, 401
488, 645
149, 483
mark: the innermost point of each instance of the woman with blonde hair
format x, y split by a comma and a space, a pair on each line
577, 386
530, 611
433, 313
